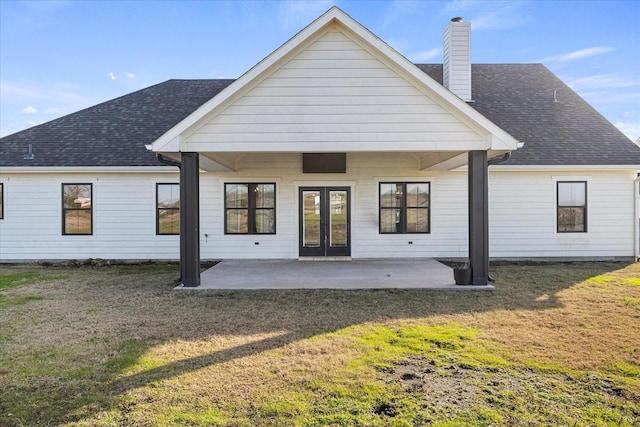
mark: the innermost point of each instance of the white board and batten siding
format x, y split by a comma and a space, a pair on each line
333, 96
124, 218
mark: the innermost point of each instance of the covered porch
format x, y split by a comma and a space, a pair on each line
427, 274
334, 88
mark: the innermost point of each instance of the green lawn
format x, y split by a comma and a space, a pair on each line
555, 344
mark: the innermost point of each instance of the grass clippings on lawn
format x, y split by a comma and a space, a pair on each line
555, 344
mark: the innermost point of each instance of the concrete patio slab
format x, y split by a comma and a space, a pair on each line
354, 274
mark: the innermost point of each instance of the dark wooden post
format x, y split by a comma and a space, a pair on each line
190, 220
478, 217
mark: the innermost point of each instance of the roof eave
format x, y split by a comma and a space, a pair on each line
87, 169
528, 168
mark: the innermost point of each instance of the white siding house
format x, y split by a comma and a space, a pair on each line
334, 88
522, 222
123, 206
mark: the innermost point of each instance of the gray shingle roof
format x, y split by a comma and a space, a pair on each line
517, 97
113, 133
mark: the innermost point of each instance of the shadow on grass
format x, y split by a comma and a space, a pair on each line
131, 307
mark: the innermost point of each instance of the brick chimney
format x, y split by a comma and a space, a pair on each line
457, 58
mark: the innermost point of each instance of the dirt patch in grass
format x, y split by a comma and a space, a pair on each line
116, 345
516, 393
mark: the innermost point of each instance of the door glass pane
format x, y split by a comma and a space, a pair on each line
338, 218
311, 218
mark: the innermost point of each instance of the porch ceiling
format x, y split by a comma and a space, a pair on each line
425, 160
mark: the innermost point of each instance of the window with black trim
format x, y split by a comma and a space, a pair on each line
167, 208
1, 200
77, 211
572, 206
249, 208
405, 207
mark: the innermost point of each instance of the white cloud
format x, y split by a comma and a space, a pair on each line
14, 95
30, 110
47, 6
611, 80
505, 17
585, 53
578, 54
217, 74
426, 55
632, 130
131, 75
31, 123
488, 15
599, 97
456, 6
18, 91
397, 11
111, 76
296, 13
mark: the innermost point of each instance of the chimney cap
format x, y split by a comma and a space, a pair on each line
456, 19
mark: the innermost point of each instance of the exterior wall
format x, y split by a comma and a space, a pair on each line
522, 213
123, 218
364, 171
522, 216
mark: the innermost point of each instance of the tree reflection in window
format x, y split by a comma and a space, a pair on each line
77, 211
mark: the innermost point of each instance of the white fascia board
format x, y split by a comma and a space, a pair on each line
89, 169
169, 142
332, 147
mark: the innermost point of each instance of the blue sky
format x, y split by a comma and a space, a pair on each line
59, 56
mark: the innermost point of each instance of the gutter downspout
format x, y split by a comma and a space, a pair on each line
501, 159
637, 216
167, 161
171, 162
